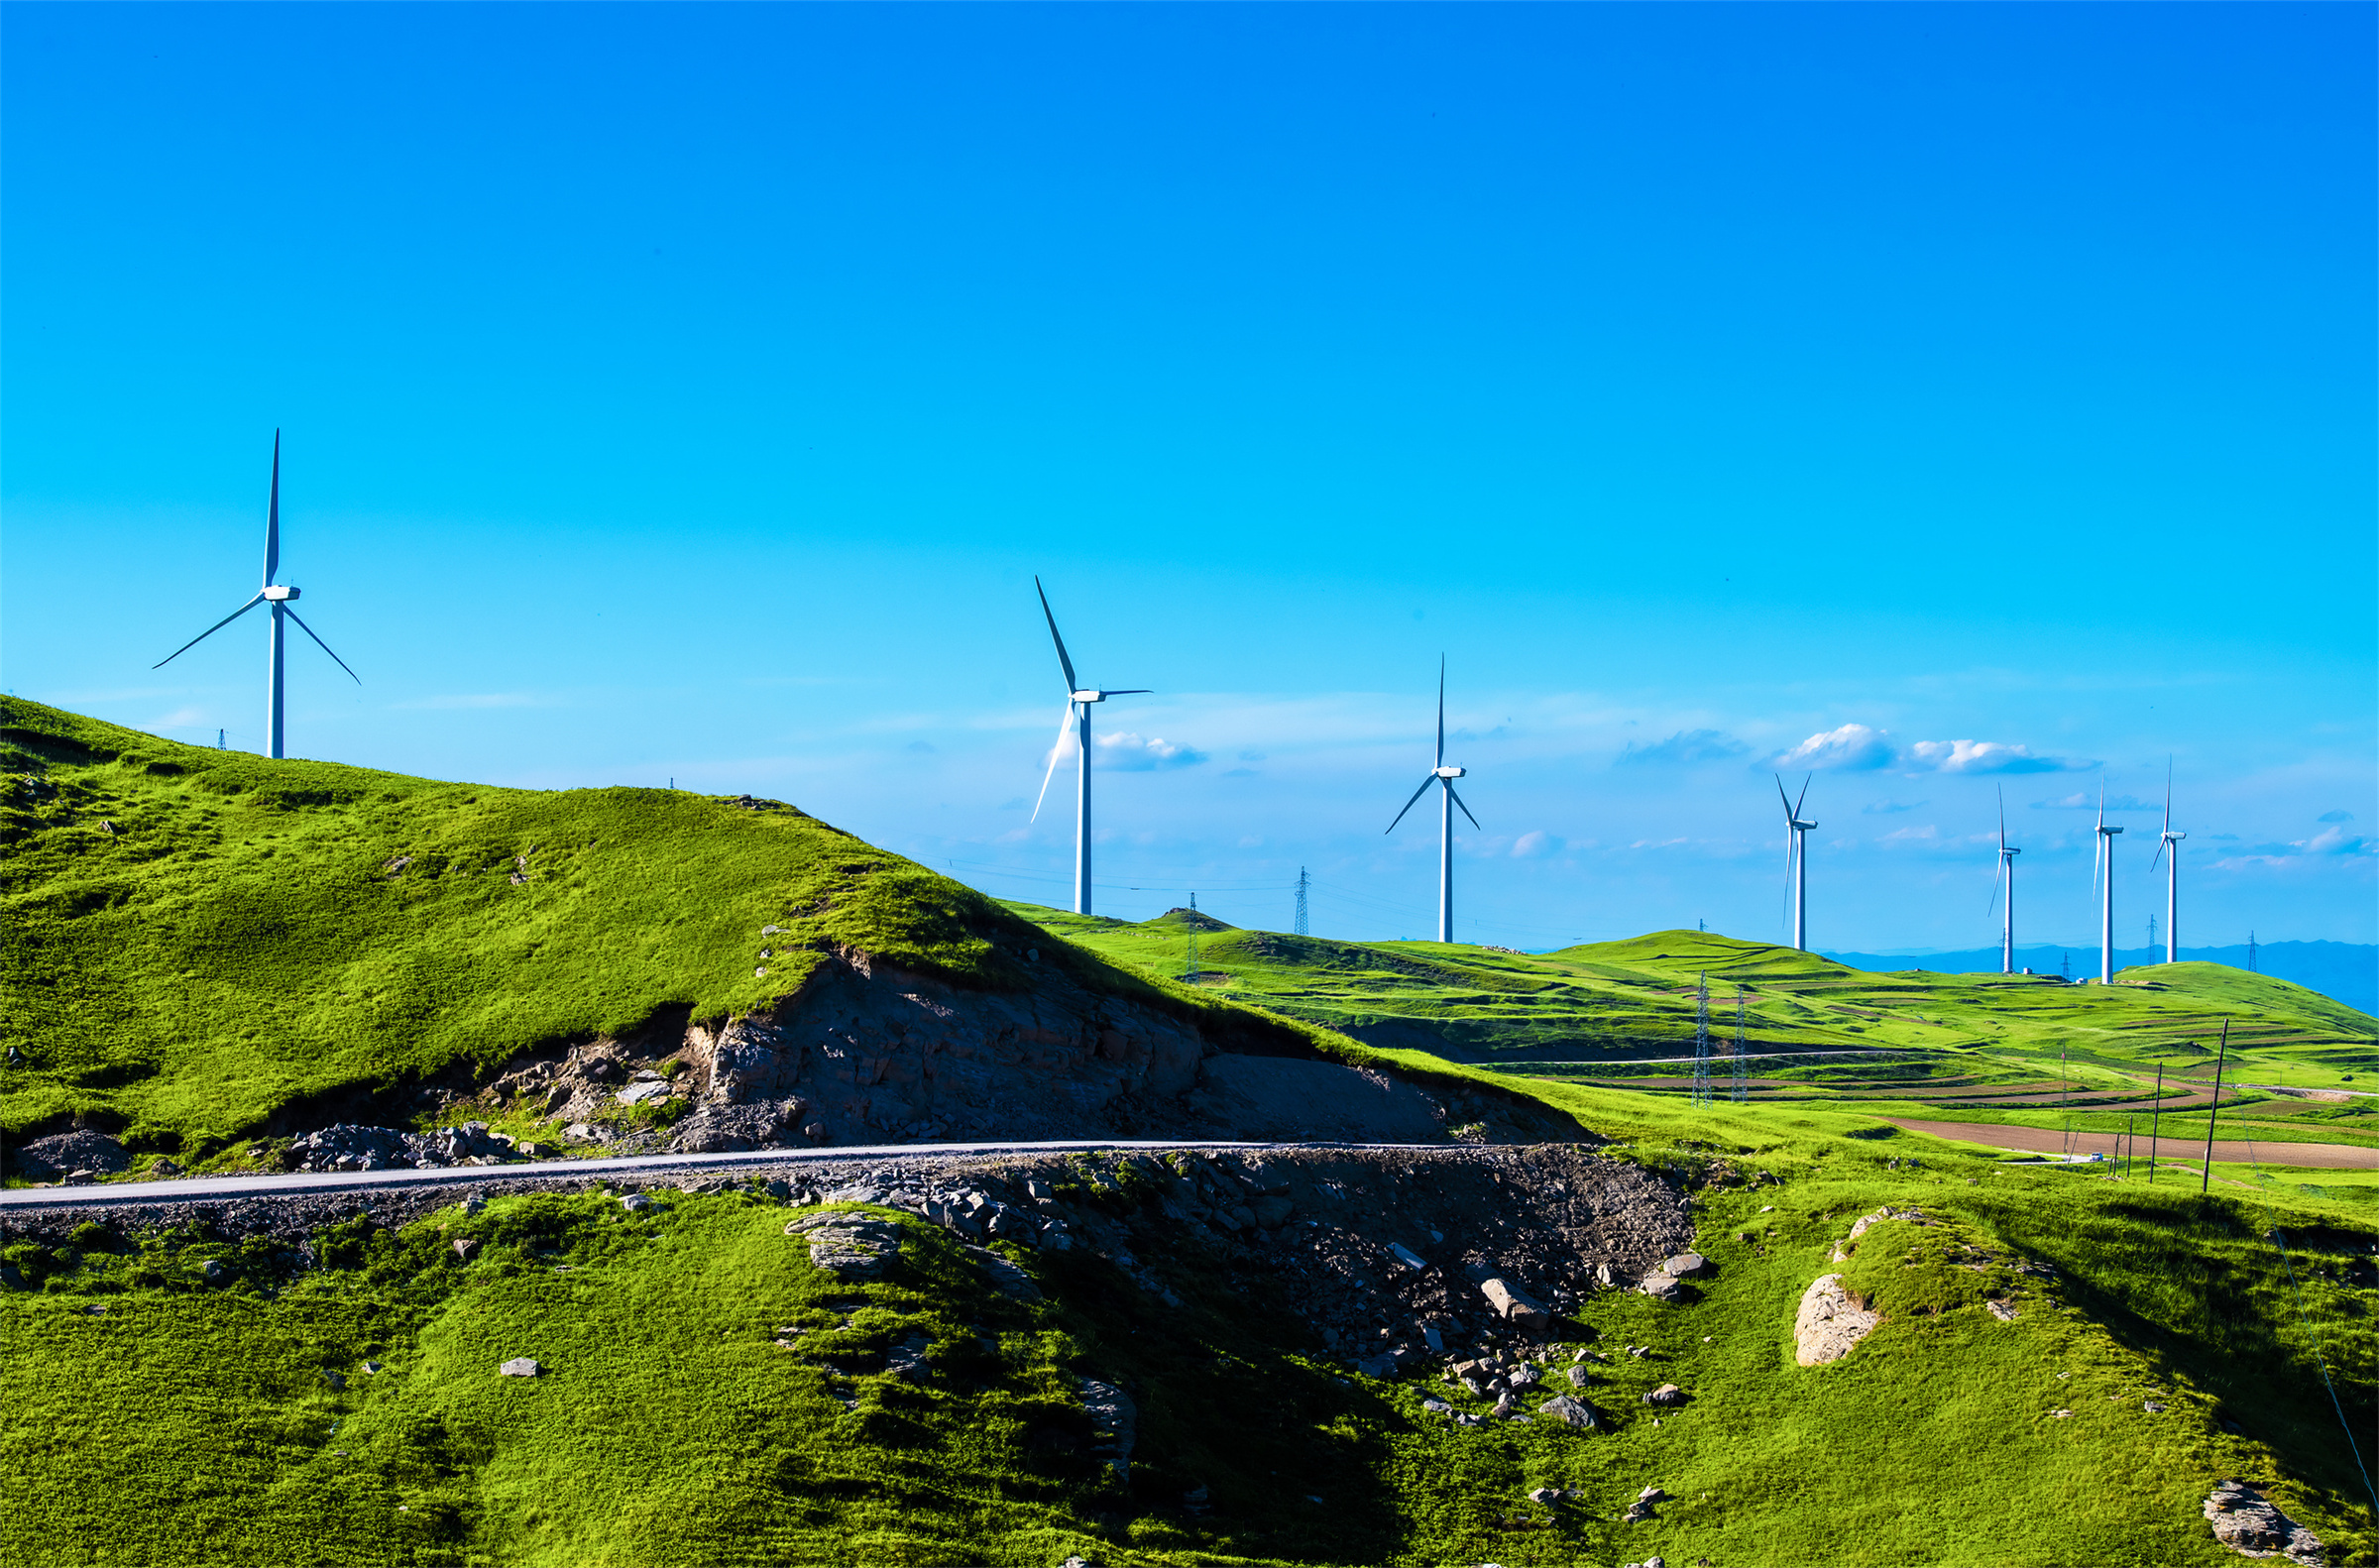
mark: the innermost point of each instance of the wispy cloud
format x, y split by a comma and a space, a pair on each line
1911, 834
1852, 747
1683, 748
2084, 800
1535, 845
2336, 816
1888, 807
1127, 752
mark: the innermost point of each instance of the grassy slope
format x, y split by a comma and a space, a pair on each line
199, 942
1607, 1002
189, 1426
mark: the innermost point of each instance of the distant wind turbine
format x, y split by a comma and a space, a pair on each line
1443, 777
2105, 864
1078, 715
2004, 882
280, 597
1796, 860
2168, 849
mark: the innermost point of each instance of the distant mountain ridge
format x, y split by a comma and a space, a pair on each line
2343, 971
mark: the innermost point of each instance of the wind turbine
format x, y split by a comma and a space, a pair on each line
2168, 851
1078, 715
1796, 860
281, 598
1443, 777
2105, 856
2006, 881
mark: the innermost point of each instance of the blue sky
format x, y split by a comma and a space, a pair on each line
1954, 399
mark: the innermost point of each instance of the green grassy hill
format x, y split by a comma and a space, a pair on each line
201, 946
1988, 1049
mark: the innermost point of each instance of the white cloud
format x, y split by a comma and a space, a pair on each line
1529, 845
1923, 835
1848, 746
1127, 752
2337, 840
1683, 748
1985, 756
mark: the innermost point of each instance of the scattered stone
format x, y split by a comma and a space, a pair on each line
371, 1366
906, 1360
1406, 1256
1436, 1406
1273, 1212
1579, 1376
519, 1366
1666, 1394
2002, 1310
849, 1246
1604, 1276
462, 1248
336, 1380
1664, 1288
213, 1272
165, 1168
2151, 1406
1685, 1265
1114, 1425
1568, 1412
1544, 1495
2059, 1416
2246, 1522
636, 1203
1513, 1305
1004, 1275
50, 1159
1651, 1494
1829, 1324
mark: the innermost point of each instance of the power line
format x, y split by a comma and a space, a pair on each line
1701, 1039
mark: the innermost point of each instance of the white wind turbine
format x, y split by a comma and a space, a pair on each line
2168, 849
1078, 715
281, 598
1443, 777
2105, 861
1796, 860
2004, 881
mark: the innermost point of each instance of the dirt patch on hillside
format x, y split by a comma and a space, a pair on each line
2045, 1139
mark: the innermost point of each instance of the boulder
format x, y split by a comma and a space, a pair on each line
519, 1366
1664, 1288
1273, 1212
1668, 1394
1568, 1412
1685, 1265
849, 1246
1515, 1305
1406, 1256
2244, 1520
636, 1203
1829, 1323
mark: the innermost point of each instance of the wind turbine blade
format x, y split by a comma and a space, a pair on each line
208, 632
272, 518
1057, 748
2168, 793
2002, 824
1417, 794
1064, 663
1996, 878
324, 646
1131, 691
2157, 858
1440, 763
1783, 799
1796, 805
1451, 790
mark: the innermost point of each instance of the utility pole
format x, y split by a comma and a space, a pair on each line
2213, 1110
1700, 1040
1303, 882
1190, 965
1742, 1087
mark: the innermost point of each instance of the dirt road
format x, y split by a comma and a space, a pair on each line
2048, 1140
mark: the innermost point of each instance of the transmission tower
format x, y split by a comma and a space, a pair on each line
1303, 882
2251, 969
1700, 1040
1742, 1087
1190, 965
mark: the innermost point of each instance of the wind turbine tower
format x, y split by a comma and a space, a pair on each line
1443, 777
2106, 892
1796, 861
2004, 883
1078, 701
282, 598
2168, 849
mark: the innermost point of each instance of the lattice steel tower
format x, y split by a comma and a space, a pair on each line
1700, 1040
1303, 882
1190, 963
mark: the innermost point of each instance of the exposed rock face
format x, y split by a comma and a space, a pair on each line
47, 1159
1114, 1425
2251, 1526
1841, 1253
1829, 1322
848, 1245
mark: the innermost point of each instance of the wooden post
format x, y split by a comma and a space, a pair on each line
2155, 1119
2213, 1110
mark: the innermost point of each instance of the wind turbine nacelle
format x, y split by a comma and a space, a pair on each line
1804, 827
2110, 831
2174, 838
1089, 697
278, 593
1445, 773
